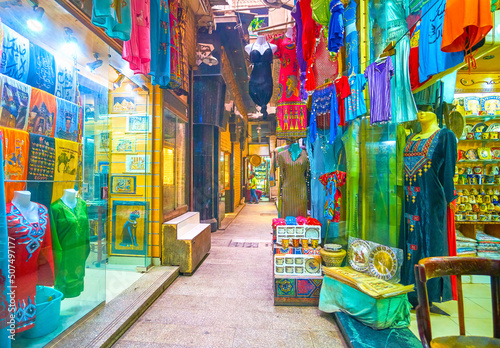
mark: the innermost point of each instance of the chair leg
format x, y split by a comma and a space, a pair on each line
495, 299
461, 315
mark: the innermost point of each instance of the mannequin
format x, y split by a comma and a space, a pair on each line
429, 167
22, 201
69, 198
289, 33
70, 242
260, 45
260, 86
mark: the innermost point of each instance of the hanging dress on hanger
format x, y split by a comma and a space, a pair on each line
260, 86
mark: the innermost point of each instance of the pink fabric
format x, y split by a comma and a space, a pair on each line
137, 51
301, 220
278, 222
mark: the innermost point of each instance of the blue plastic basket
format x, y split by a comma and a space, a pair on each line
47, 312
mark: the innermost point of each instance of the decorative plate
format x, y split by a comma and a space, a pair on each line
468, 128
494, 127
359, 251
490, 104
480, 127
495, 153
383, 262
473, 105
312, 233
312, 266
471, 155
484, 153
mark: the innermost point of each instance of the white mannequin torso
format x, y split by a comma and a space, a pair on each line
22, 201
260, 45
289, 33
69, 198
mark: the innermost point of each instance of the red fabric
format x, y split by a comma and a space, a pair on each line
325, 66
309, 34
414, 56
33, 263
343, 91
452, 245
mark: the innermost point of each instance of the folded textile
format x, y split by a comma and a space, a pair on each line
291, 220
301, 220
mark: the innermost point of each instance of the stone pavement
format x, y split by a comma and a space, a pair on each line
228, 302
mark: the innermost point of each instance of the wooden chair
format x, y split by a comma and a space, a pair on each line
434, 267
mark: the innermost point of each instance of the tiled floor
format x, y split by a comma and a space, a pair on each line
478, 314
228, 302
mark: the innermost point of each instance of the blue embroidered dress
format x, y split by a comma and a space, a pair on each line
429, 166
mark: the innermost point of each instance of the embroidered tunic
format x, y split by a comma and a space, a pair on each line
429, 166
71, 245
33, 263
333, 182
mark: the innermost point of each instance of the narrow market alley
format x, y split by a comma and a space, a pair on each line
228, 302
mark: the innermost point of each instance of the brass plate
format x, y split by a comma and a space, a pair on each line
359, 252
383, 262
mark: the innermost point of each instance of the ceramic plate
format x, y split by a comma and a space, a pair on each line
312, 266
471, 155
495, 153
359, 251
484, 153
383, 262
468, 128
480, 127
312, 233
494, 127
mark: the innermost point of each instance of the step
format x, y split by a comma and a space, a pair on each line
192, 233
185, 220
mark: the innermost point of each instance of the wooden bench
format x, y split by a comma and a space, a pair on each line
186, 242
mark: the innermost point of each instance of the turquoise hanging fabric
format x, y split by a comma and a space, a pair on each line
114, 16
295, 151
160, 43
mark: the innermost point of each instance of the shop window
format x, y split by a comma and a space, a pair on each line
175, 184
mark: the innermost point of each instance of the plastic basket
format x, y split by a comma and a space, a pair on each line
47, 312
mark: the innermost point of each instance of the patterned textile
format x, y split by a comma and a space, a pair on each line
15, 60
291, 112
33, 263
293, 187
66, 81
332, 183
42, 158
15, 101
15, 151
324, 112
160, 43
68, 121
43, 113
137, 51
42, 70
68, 156
175, 62
114, 17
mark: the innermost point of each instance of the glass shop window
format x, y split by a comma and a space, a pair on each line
175, 178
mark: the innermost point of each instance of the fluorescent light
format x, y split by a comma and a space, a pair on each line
34, 25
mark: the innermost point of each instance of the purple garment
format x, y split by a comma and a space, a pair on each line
297, 15
379, 81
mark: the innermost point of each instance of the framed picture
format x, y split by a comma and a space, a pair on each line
102, 142
125, 145
138, 124
123, 104
103, 167
137, 164
129, 230
123, 184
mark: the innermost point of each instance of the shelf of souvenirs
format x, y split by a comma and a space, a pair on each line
477, 222
484, 117
478, 140
478, 161
496, 184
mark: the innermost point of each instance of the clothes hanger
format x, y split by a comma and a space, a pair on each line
324, 85
389, 50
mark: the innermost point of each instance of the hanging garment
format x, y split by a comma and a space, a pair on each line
326, 65
321, 13
343, 91
33, 263
291, 112
70, 245
402, 102
429, 166
260, 86
66, 80
324, 112
42, 70
175, 62
43, 113
114, 17
15, 60
42, 158
15, 102
351, 38
332, 183
466, 22
160, 43
293, 183
431, 59
414, 57
68, 121
137, 51
309, 35
16, 146
336, 28
355, 105
68, 155
379, 76
297, 16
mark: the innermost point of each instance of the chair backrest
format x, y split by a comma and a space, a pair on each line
434, 267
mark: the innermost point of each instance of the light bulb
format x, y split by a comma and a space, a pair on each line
34, 25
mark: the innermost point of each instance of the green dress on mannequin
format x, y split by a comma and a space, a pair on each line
70, 245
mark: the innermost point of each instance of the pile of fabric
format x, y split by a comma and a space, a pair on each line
466, 247
488, 246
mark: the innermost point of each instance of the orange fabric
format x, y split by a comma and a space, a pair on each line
16, 147
43, 113
466, 22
